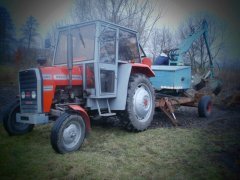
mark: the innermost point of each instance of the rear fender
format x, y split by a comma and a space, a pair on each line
84, 115
124, 73
143, 69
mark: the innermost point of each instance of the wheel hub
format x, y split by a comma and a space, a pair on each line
142, 103
71, 135
209, 107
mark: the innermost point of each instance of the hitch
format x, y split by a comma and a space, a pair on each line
166, 106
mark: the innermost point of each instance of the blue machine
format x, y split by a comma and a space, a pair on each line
171, 77
172, 81
176, 76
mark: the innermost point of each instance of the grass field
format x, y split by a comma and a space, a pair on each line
112, 153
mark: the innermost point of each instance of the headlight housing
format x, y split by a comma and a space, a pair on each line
23, 95
33, 94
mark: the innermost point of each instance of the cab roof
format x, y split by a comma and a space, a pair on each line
96, 22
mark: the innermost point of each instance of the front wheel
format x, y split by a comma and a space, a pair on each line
11, 125
68, 133
140, 103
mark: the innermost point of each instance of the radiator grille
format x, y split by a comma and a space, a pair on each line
28, 84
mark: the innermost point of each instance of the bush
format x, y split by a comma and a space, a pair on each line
8, 74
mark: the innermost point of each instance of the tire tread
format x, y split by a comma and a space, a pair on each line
127, 114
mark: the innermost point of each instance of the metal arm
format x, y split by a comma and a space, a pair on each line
205, 34
176, 55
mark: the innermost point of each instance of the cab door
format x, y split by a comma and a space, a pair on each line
107, 60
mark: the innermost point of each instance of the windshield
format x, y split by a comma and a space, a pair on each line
83, 39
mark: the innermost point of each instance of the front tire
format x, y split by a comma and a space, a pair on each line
205, 106
9, 121
140, 103
68, 133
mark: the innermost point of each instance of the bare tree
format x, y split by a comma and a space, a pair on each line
161, 39
136, 14
51, 36
29, 31
197, 54
7, 34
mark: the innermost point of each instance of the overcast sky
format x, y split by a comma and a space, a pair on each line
48, 12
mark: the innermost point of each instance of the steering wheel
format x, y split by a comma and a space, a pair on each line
173, 54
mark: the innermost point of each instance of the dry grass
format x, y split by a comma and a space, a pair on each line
26, 59
230, 84
112, 153
230, 78
8, 74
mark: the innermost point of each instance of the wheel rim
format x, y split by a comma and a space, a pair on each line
209, 107
142, 103
71, 135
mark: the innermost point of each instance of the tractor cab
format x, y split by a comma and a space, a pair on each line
98, 47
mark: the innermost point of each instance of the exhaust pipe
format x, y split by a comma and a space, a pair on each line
70, 58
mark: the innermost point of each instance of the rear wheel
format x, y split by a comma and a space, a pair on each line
140, 103
11, 125
68, 133
205, 106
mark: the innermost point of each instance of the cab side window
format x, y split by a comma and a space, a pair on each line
108, 46
128, 47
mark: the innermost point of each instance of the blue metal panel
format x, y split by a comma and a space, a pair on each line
92, 103
119, 103
171, 77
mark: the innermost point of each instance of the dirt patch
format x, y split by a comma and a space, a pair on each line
187, 116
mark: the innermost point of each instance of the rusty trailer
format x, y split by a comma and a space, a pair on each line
191, 98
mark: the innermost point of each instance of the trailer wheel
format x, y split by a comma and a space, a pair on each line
68, 133
9, 121
140, 103
205, 106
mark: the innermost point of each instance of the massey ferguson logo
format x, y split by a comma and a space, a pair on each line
60, 77
28, 102
28, 94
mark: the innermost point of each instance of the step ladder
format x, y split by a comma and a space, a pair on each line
108, 113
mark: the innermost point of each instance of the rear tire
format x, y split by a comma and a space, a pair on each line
68, 133
140, 103
9, 121
205, 106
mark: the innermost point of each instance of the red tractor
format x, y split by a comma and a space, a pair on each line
96, 71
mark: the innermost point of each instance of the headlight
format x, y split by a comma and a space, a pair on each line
34, 94
23, 95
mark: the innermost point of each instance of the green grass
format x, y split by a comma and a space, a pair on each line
164, 153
